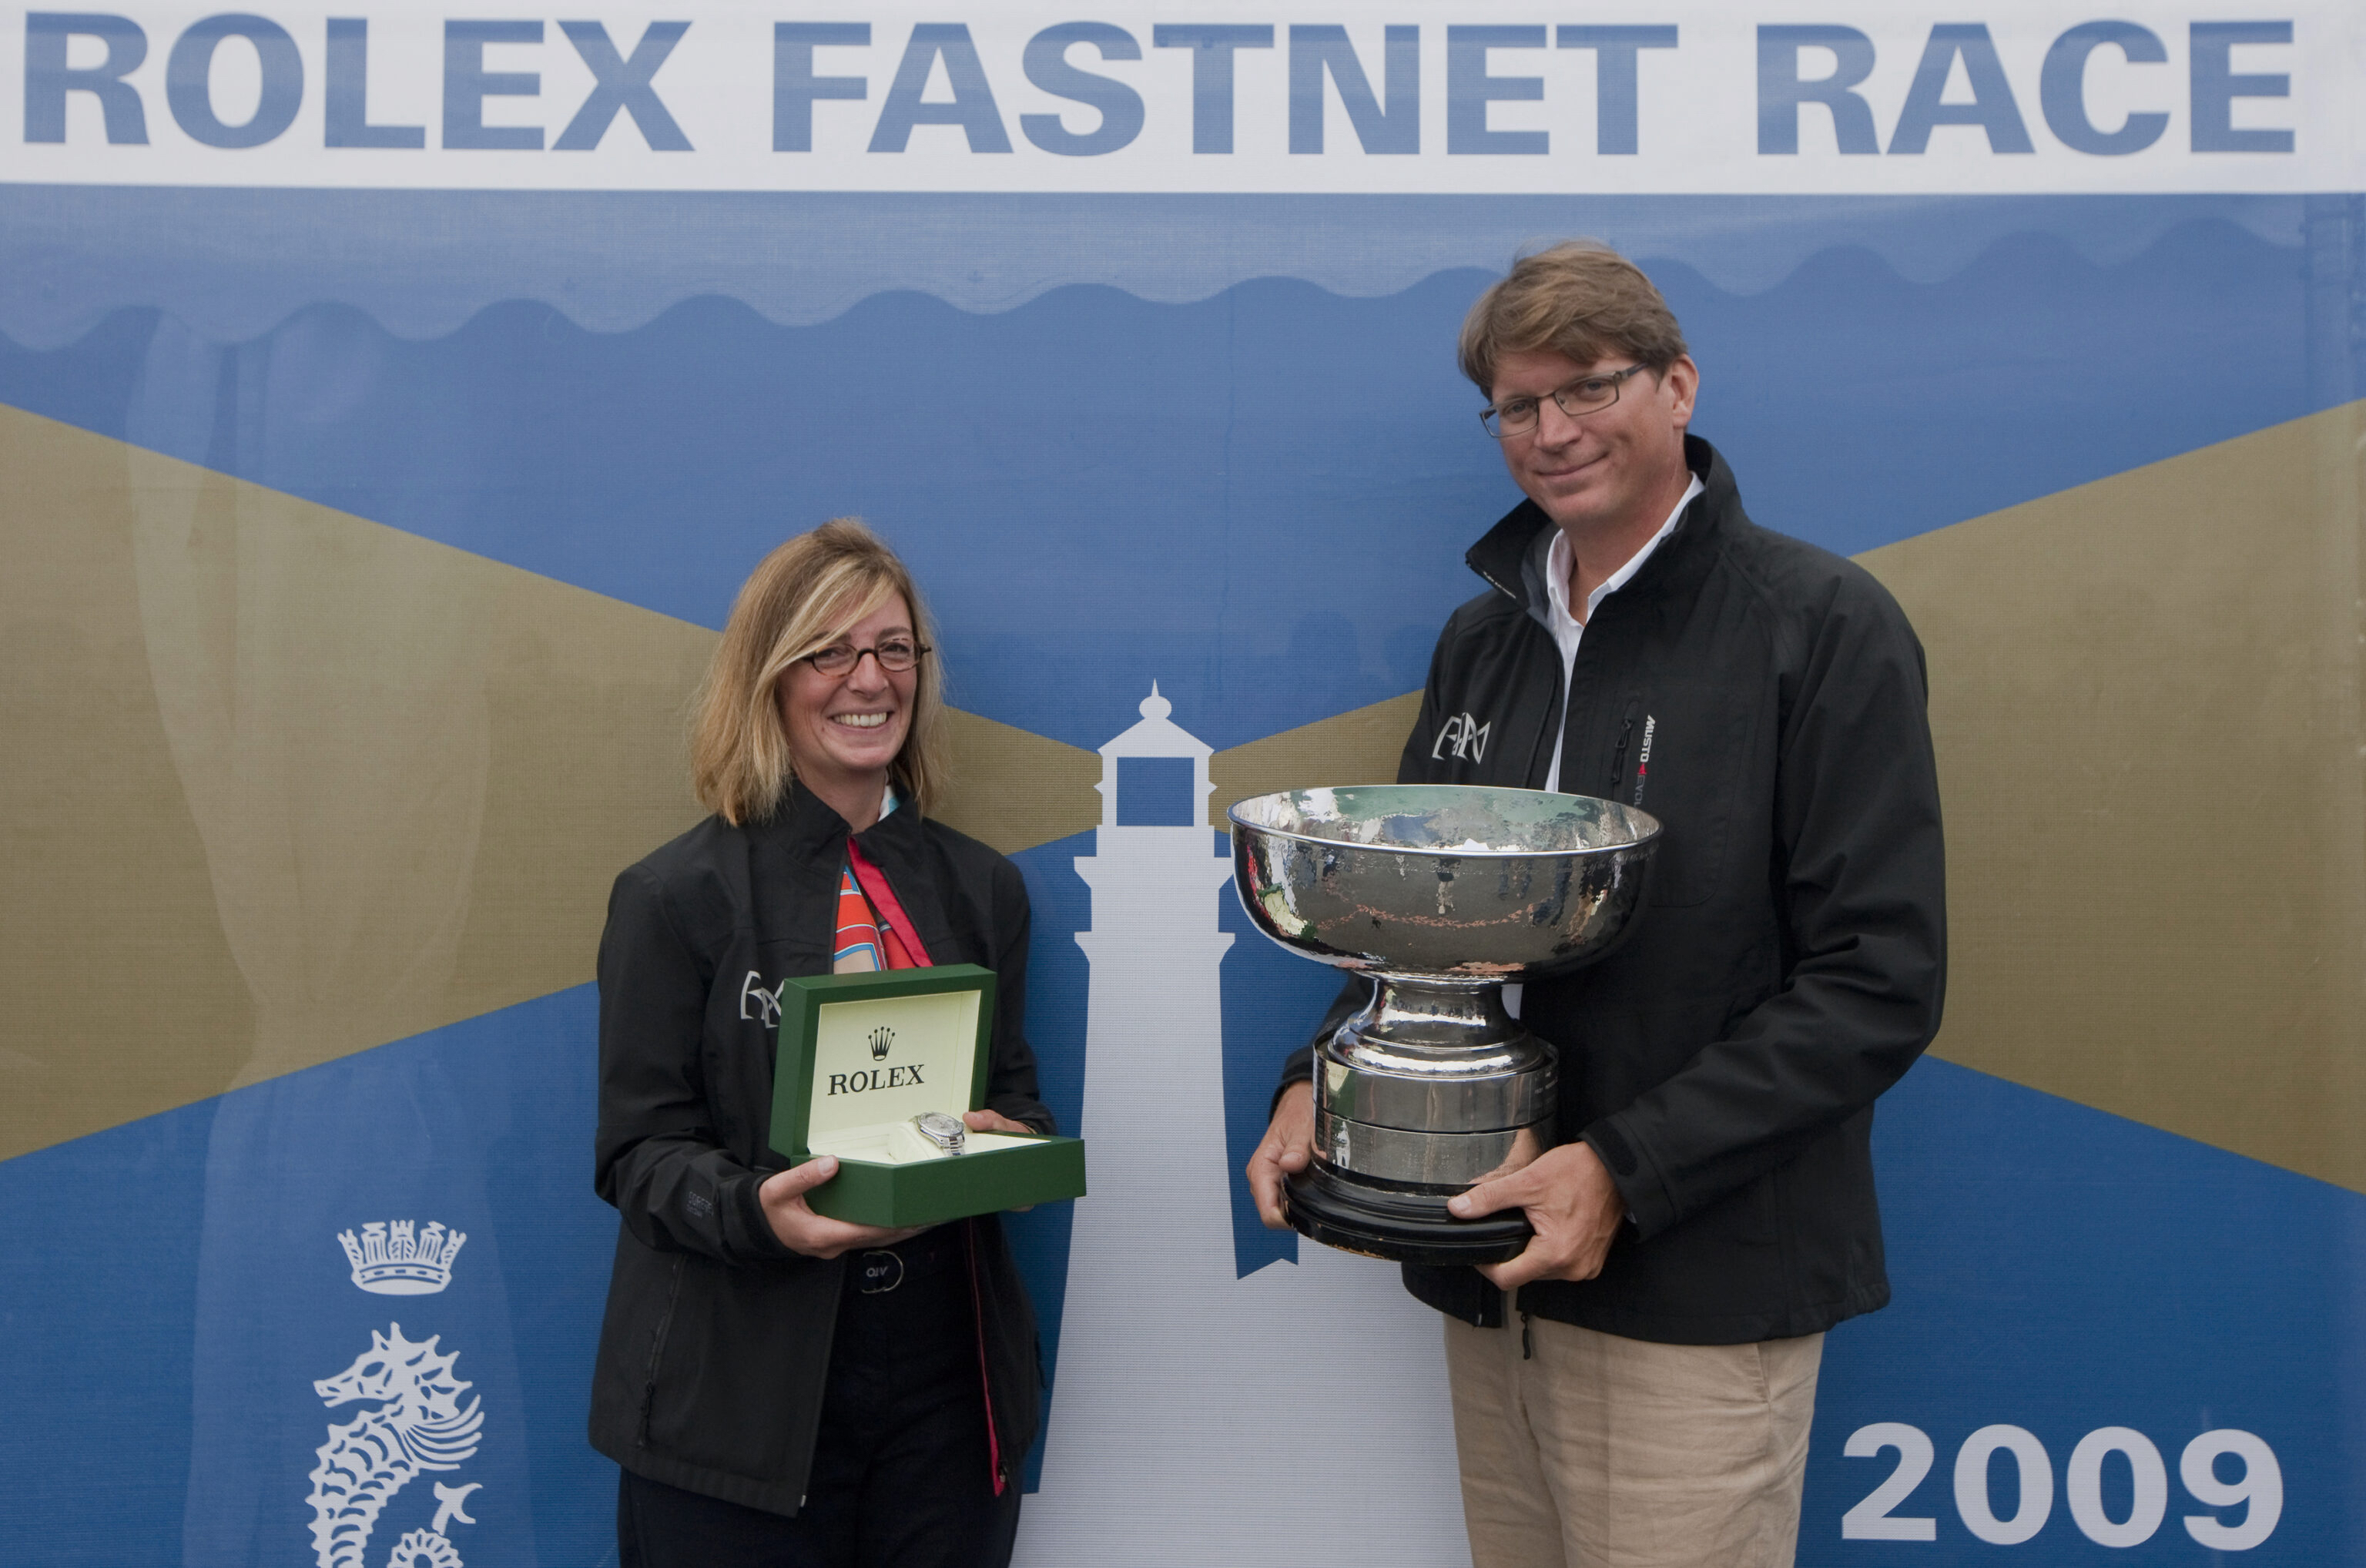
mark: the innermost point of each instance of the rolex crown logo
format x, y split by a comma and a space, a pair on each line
390, 1261
881, 1038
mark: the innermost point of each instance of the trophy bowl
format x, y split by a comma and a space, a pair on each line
1441, 894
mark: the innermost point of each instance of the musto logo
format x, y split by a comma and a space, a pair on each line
1463, 738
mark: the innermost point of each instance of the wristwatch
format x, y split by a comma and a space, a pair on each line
947, 1132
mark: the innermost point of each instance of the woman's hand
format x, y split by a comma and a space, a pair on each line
996, 1122
818, 1236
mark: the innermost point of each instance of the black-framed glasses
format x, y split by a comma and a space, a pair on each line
1587, 394
894, 656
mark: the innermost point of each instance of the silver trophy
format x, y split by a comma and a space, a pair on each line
1441, 893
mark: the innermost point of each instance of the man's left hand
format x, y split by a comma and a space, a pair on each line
1572, 1202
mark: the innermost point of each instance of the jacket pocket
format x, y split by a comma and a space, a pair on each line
738, 1378
1684, 759
657, 1349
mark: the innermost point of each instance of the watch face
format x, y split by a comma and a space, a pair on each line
945, 1132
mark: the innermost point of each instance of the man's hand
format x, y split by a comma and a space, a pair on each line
1289, 1144
1570, 1200
817, 1236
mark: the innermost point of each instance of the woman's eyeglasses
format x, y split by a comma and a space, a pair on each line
894, 656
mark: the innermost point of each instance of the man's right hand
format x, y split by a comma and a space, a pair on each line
1289, 1144
817, 1236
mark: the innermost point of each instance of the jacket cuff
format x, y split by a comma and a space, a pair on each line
1649, 1207
1299, 1069
756, 1233
1028, 1113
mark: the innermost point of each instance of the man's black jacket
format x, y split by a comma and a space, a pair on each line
1765, 700
716, 1341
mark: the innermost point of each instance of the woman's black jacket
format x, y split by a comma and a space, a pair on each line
716, 1342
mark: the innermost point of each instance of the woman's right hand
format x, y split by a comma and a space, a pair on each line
817, 1236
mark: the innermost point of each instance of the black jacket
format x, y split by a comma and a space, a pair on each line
1765, 700
716, 1342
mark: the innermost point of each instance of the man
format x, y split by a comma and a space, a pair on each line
1635, 1389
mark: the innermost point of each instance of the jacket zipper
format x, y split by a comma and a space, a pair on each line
1553, 731
1619, 757
657, 1349
888, 907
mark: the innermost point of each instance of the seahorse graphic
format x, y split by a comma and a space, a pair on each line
420, 1426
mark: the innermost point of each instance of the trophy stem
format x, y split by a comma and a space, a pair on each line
1429, 1090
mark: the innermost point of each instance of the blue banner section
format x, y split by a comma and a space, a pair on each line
2061, 1272
1219, 443
218, 1385
234, 263
1253, 498
181, 1308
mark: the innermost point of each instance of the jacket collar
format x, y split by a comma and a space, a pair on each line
803, 844
1511, 553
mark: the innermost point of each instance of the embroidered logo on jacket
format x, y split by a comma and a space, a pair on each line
767, 1003
1643, 763
1463, 738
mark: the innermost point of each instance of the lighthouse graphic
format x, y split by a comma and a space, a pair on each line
1299, 1415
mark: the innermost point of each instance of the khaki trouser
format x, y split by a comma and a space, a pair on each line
1593, 1452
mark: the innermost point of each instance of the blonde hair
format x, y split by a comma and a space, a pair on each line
1580, 298
800, 599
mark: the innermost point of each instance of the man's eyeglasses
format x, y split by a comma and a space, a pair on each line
894, 656
1587, 394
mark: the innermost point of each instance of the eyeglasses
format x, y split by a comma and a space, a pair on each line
894, 656
1587, 394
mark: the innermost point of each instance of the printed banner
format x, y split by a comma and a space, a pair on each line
391, 400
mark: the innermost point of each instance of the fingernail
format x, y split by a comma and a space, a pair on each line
1458, 1206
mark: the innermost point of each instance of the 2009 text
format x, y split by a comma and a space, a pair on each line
2257, 1491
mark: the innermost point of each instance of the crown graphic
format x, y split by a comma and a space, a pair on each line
389, 1260
881, 1038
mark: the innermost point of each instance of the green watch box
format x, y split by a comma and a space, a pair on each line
860, 1056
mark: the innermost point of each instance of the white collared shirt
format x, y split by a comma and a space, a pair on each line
1567, 629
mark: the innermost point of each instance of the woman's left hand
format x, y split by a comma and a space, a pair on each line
996, 1122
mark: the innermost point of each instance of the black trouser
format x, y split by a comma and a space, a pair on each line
900, 1473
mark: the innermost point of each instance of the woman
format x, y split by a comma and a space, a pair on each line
783, 1388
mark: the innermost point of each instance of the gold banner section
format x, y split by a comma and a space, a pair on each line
280, 783
2146, 695
1360, 745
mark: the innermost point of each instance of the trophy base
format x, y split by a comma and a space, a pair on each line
1404, 1227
